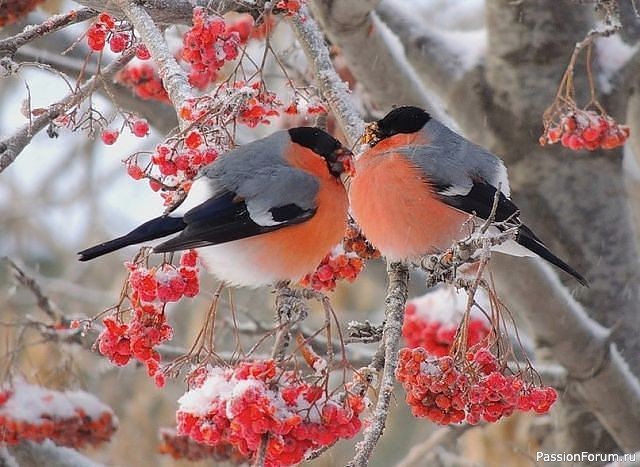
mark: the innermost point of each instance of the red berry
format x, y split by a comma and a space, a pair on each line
109, 136
140, 128
118, 42
142, 53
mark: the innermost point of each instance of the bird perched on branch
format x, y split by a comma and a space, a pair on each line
267, 211
417, 186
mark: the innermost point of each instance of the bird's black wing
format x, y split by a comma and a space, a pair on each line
225, 218
479, 201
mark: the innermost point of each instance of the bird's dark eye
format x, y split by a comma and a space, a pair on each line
402, 120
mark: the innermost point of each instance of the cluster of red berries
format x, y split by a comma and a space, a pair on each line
337, 265
446, 391
586, 129
13, 10
143, 80
104, 31
183, 447
238, 406
138, 126
258, 108
207, 46
72, 418
166, 283
175, 166
151, 290
355, 242
431, 322
288, 7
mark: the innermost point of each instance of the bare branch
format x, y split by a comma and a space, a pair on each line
12, 146
10, 45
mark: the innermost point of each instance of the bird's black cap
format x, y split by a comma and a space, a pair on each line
323, 144
407, 119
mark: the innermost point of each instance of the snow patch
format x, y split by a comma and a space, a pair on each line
613, 54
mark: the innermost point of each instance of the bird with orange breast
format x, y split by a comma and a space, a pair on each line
267, 211
417, 186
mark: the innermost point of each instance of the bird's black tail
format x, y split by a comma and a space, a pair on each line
155, 228
529, 240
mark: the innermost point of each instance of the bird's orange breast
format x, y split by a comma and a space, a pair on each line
393, 203
293, 251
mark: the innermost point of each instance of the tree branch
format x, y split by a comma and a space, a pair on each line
173, 76
10, 45
366, 45
397, 292
47, 453
176, 11
334, 90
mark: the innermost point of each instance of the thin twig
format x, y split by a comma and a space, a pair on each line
12, 146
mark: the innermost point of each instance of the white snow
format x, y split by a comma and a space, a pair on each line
613, 54
29, 403
196, 401
447, 305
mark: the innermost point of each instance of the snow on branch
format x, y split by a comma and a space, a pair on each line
12, 146
177, 11
334, 90
173, 76
436, 58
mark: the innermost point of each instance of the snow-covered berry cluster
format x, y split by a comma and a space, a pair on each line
431, 321
71, 418
207, 46
173, 165
12, 11
183, 447
258, 108
446, 391
238, 406
586, 129
151, 289
337, 265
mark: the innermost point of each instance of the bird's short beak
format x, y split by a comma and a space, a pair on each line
370, 135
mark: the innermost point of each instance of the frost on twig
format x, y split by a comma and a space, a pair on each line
12, 146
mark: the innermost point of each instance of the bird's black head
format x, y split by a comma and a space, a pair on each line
338, 157
400, 120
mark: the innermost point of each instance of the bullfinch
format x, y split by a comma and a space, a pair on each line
415, 188
267, 211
